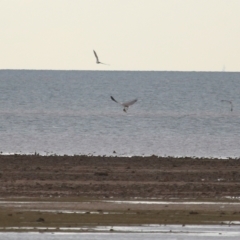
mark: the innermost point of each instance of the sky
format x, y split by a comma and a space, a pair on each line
151, 35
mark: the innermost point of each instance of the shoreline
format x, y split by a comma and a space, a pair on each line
115, 155
91, 215
60, 191
121, 177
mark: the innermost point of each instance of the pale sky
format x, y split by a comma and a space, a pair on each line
159, 35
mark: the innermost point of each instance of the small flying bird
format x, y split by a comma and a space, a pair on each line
97, 60
230, 102
126, 104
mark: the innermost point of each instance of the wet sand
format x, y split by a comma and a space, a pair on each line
53, 185
120, 177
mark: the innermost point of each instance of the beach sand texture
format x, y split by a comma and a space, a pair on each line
78, 190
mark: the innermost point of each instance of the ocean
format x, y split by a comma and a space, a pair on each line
177, 114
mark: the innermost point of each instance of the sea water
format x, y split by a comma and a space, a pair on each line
71, 112
170, 232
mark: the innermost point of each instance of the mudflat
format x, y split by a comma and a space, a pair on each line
120, 177
82, 190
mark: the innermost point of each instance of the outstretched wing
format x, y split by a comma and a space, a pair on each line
226, 101
126, 104
230, 102
114, 99
96, 55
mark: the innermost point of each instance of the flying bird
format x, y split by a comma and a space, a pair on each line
126, 104
97, 59
230, 102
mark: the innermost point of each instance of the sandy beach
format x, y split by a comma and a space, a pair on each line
120, 177
49, 190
